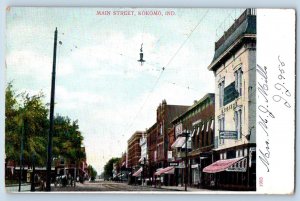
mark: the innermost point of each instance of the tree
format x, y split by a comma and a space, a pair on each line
92, 172
108, 168
28, 114
12, 127
67, 140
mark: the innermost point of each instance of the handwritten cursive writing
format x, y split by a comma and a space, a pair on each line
264, 113
265, 155
283, 93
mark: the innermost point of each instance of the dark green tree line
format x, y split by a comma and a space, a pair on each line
108, 168
92, 172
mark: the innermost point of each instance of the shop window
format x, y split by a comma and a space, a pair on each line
245, 152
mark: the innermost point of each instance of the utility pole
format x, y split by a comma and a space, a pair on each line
186, 160
21, 155
144, 170
33, 174
49, 155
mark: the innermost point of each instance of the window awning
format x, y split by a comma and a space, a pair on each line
167, 170
221, 165
178, 143
193, 132
138, 173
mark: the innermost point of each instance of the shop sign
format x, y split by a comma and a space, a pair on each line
173, 164
194, 166
228, 135
178, 129
230, 93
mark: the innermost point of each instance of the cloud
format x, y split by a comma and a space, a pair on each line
100, 82
70, 100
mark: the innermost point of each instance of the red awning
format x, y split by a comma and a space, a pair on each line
221, 165
179, 142
138, 173
167, 170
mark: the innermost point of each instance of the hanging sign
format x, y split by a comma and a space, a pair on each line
228, 134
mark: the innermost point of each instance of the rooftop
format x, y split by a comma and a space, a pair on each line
195, 105
243, 27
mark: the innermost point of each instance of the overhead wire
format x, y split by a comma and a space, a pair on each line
164, 68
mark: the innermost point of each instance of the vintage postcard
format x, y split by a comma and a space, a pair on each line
151, 100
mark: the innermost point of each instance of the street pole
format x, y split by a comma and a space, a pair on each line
33, 173
49, 155
21, 155
144, 169
186, 161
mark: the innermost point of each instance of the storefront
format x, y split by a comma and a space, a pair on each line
232, 174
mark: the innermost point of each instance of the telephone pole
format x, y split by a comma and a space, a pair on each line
186, 134
21, 155
49, 154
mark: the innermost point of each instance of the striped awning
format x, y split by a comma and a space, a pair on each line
178, 143
167, 170
138, 173
221, 165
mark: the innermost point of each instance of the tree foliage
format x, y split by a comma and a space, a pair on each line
27, 114
108, 168
92, 172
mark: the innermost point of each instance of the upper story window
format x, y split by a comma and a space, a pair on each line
161, 129
221, 127
238, 74
238, 122
221, 87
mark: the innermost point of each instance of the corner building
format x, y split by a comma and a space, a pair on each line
234, 67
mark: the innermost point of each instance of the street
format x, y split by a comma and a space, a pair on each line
114, 186
108, 186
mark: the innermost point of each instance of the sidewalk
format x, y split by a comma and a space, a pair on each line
15, 188
181, 188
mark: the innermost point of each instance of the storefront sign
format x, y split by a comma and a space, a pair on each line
228, 135
194, 166
173, 163
229, 107
230, 93
178, 129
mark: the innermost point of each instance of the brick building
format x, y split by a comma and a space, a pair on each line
164, 115
199, 121
151, 139
134, 150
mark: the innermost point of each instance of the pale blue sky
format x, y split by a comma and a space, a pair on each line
99, 81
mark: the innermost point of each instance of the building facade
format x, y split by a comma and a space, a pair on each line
234, 67
164, 115
198, 122
152, 152
134, 150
